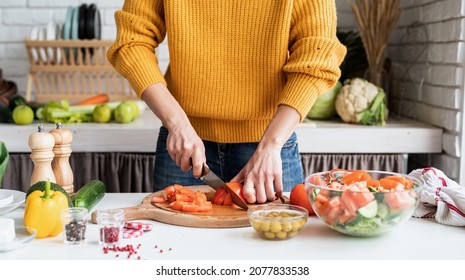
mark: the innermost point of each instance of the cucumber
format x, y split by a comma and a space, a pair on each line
90, 194
370, 210
17, 100
5, 114
40, 186
314, 193
383, 211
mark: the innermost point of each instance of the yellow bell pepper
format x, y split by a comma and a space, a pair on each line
43, 211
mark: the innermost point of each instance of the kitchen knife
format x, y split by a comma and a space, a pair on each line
215, 182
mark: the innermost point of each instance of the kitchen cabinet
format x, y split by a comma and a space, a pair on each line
123, 154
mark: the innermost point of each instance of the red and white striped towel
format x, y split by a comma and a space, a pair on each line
441, 198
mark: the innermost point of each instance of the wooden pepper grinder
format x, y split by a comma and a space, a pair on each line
41, 144
60, 164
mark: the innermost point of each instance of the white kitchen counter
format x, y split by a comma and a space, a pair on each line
418, 239
398, 136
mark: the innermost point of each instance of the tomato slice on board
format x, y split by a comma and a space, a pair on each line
184, 199
222, 197
205, 207
159, 199
228, 200
219, 196
189, 207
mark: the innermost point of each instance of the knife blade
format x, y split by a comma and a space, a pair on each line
211, 179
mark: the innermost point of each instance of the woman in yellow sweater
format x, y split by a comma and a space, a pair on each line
242, 75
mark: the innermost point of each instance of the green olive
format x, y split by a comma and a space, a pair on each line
269, 235
287, 226
265, 226
276, 227
257, 225
292, 233
281, 235
296, 225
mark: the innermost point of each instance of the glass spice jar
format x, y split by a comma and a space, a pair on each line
74, 222
111, 224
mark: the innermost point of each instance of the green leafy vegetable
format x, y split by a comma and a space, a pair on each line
324, 105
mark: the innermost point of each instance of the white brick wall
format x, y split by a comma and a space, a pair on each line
17, 17
432, 89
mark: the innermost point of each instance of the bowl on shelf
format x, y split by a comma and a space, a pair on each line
277, 221
363, 202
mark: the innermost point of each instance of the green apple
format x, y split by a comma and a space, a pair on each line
102, 113
124, 113
23, 114
135, 108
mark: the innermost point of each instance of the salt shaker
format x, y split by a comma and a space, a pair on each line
41, 144
60, 164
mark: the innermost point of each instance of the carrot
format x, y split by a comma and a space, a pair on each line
96, 99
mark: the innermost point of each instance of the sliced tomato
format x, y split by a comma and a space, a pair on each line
219, 196
170, 193
399, 200
189, 207
222, 197
205, 207
176, 205
237, 188
159, 199
228, 200
356, 176
184, 197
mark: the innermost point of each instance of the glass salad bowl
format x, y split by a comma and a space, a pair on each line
363, 202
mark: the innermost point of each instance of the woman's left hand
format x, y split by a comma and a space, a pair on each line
262, 175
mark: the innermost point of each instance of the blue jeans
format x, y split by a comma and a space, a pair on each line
226, 160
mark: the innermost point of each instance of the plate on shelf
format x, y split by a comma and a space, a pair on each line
66, 32
41, 37
82, 21
24, 235
18, 199
75, 24
33, 36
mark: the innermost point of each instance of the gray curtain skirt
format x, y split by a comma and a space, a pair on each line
132, 172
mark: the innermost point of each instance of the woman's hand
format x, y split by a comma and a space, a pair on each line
183, 144
186, 148
262, 175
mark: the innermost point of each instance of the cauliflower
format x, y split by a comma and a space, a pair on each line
360, 101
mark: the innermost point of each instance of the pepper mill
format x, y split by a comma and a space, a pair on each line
41, 144
60, 164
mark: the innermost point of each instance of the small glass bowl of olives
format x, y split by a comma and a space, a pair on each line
277, 221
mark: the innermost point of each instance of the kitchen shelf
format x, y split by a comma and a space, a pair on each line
72, 70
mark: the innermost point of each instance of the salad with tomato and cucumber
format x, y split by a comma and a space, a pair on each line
362, 203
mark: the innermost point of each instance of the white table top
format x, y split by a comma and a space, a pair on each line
415, 239
398, 136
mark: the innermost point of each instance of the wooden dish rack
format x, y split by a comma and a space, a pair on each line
72, 70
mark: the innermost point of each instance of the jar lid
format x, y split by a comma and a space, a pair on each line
116, 214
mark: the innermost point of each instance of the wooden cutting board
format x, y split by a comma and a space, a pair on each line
219, 217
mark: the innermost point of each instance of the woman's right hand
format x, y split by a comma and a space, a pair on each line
186, 148
183, 144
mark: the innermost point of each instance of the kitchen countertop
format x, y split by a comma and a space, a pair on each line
398, 136
417, 239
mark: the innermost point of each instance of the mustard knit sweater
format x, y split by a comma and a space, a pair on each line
232, 62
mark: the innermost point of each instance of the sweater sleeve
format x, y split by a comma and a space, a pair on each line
315, 54
140, 29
